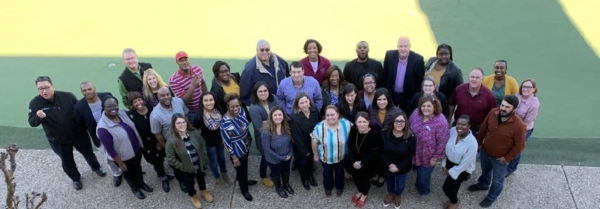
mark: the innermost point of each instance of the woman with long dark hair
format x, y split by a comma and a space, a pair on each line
208, 120
306, 116
398, 148
277, 144
350, 103
183, 149
381, 113
262, 102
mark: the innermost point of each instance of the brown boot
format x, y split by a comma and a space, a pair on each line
206, 196
196, 201
267, 182
388, 199
397, 202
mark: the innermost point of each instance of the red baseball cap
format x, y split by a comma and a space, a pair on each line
180, 55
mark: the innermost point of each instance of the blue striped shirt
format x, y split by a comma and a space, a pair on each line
235, 134
331, 144
286, 93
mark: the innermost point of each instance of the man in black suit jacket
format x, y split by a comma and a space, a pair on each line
89, 111
131, 79
404, 71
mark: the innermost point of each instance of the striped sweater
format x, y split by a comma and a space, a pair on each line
236, 136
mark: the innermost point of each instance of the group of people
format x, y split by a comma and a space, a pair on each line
371, 122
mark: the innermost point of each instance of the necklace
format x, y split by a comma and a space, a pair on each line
361, 142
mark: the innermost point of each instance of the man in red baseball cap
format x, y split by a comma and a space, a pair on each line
188, 83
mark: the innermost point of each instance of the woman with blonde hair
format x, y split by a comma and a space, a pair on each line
152, 82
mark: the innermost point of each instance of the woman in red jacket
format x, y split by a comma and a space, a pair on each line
314, 64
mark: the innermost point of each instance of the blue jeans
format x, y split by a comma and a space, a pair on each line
512, 166
191, 116
277, 169
262, 170
216, 155
333, 173
424, 179
395, 182
492, 172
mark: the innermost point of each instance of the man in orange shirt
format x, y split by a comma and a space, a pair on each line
501, 138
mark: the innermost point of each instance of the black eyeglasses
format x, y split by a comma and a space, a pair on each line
265, 50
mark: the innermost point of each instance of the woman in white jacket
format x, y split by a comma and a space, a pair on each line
461, 153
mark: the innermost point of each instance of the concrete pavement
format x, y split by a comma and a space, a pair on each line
532, 186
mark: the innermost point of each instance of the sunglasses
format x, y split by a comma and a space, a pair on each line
265, 50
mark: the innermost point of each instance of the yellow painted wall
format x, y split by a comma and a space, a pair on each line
584, 15
223, 28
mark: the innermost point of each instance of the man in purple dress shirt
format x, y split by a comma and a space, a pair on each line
296, 83
404, 71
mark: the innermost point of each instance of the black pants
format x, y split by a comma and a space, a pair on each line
361, 178
178, 174
305, 165
451, 186
65, 152
401, 100
190, 178
241, 173
133, 175
156, 160
278, 169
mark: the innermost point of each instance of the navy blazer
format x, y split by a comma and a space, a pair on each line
84, 114
415, 72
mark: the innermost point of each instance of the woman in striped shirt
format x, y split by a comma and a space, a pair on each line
183, 149
237, 140
431, 130
329, 147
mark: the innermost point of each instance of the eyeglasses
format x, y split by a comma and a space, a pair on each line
399, 121
181, 123
527, 87
46, 88
427, 86
265, 50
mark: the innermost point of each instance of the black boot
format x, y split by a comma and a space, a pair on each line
286, 182
165, 185
313, 181
305, 182
278, 188
144, 186
183, 187
135, 189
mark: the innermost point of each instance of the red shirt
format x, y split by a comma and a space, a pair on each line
180, 83
505, 139
323, 65
476, 107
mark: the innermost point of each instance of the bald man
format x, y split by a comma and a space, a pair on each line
404, 71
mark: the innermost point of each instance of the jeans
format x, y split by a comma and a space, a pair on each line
277, 169
424, 179
191, 116
216, 157
190, 178
395, 182
262, 170
65, 152
333, 173
512, 166
492, 172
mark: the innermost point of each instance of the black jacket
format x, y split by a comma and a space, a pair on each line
354, 71
132, 82
399, 152
302, 127
451, 78
60, 123
85, 115
415, 72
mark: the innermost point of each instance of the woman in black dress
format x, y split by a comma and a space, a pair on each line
140, 115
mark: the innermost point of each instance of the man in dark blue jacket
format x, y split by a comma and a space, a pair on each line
265, 66
89, 111
54, 110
